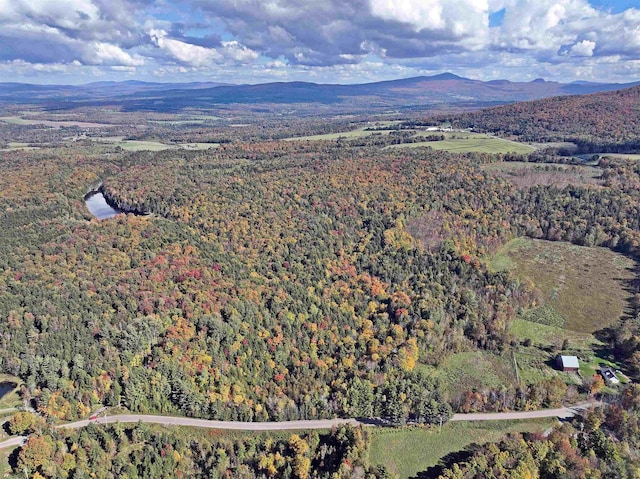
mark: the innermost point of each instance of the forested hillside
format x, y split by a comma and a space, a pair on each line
600, 122
275, 280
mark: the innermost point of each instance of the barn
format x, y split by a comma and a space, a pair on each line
567, 363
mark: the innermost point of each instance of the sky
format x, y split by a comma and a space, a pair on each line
323, 41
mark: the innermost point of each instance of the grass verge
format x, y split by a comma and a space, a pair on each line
406, 452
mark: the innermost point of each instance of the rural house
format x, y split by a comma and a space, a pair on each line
567, 363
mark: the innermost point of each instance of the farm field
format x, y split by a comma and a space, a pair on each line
627, 156
137, 145
188, 120
14, 146
408, 452
17, 120
134, 145
472, 142
198, 146
359, 133
584, 289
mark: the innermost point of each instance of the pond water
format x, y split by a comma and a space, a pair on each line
6, 387
99, 207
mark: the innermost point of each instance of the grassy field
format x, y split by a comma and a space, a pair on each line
460, 142
407, 452
627, 156
137, 145
16, 120
359, 133
535, 362
472, 142
461, 372
12, 146
584, 289
198, 146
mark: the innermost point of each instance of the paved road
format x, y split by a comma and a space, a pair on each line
13, 442
240, 426
565, 412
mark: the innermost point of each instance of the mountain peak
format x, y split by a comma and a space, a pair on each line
445, 76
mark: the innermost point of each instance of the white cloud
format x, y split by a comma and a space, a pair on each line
239, 53
198, 56
458, 17
106, 54
555, 29
420, 14
332, 40
185, 52
582, 49
69, 14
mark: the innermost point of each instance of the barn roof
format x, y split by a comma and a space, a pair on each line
569, 361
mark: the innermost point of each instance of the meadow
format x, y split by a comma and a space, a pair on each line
462, 142
467, 370
584, 289
410, 451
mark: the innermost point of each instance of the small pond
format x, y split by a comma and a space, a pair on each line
6, 387
98, 206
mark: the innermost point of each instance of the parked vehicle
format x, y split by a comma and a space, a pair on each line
609, 376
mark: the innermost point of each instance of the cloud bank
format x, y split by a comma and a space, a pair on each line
333, 40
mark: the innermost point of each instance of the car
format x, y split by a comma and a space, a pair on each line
93, 418
609, 376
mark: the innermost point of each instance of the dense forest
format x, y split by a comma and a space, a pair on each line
600, 122
140, 451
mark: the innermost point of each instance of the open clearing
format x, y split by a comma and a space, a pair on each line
594, 157
359, 133
461, 372
12, 146
139, 145
584, 289
472, 142
627, 156
407, 452
135, 145
526, 175
16, 120
459, 142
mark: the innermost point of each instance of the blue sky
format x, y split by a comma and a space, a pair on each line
333, 41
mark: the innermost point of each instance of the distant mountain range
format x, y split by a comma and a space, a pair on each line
439, 90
